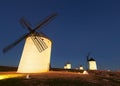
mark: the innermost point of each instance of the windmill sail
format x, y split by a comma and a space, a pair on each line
6, 49
26, 24
40, 44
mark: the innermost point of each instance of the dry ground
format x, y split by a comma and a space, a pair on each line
57, 78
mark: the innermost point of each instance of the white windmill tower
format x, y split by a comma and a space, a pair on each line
37, 49
91, 63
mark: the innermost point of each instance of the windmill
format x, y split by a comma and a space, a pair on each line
91, 63
37, 49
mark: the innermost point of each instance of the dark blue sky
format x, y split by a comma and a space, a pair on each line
81, 26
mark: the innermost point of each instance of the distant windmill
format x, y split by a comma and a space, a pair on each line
91, 63
37, 49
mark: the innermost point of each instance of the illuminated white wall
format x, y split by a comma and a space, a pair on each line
92, 65
33, 61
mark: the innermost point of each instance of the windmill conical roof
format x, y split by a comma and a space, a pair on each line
91, 59
42, 35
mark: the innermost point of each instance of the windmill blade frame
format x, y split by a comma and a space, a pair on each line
24, 23
46, 20
6, 49
40, 44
